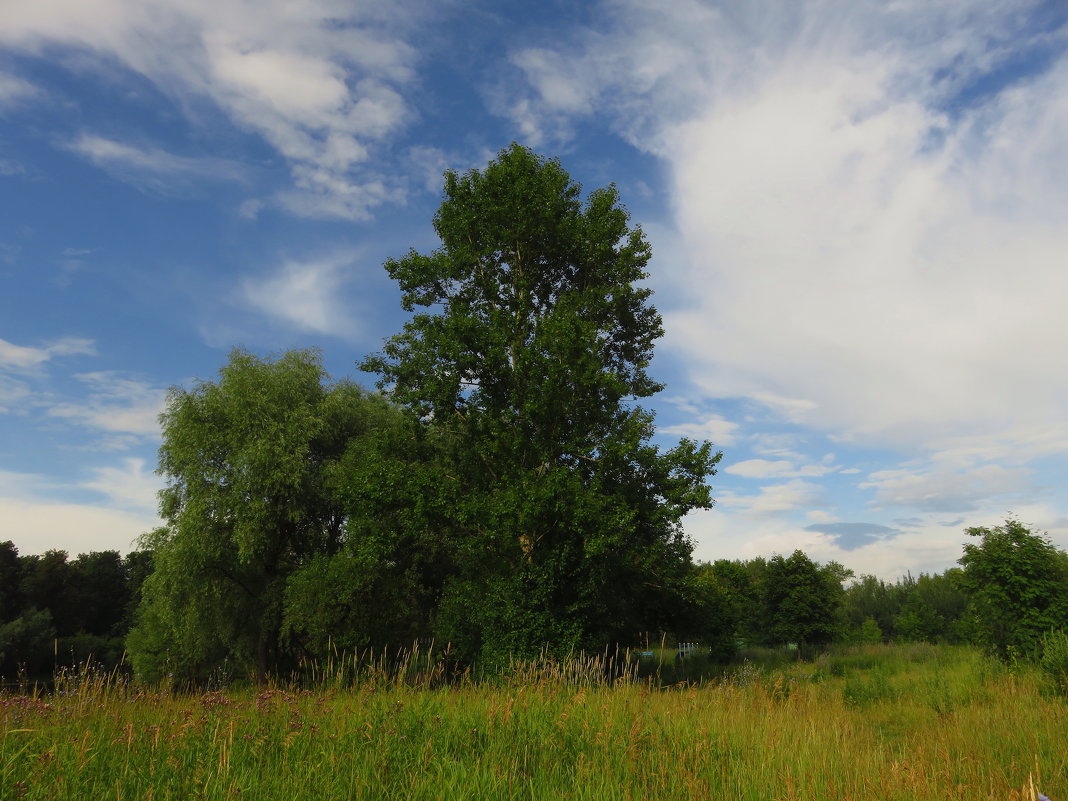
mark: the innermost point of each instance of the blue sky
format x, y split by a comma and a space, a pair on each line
857, 211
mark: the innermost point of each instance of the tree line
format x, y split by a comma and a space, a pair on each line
57, 612
1009, 594
500, 491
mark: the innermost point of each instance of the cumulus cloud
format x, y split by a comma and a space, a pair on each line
943, 489
776, 499
883, 551
872, 202
37, 525
318, 80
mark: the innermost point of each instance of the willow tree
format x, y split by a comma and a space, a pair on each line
528, 355
252, 469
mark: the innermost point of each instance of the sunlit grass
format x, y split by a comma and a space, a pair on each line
872, 723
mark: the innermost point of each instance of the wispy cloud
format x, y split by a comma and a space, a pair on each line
153, 168
14, 356
776, 499
13, 393
943, 489
14, 90
713, 427
36, 513
306, 295
129, 486
319, 81
778, 468
125, 410
852, 188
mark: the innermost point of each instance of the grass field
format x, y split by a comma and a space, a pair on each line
906, 722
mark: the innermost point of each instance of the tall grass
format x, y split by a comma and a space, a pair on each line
873, 723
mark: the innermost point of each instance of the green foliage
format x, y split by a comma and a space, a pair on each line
1054, 661
253, 496
932, 607
564, 521
48, 583
869, 632
383, 586
864, 690
711, 618
906, 730
10, 597
100, 582
26, 643
871, 598
801, 599
1018, 584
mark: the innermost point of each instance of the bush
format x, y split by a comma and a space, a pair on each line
1054, 662
26, 643
860, 691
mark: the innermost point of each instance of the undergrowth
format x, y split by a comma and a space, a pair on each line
870, 722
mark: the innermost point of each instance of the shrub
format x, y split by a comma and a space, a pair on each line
1054, 662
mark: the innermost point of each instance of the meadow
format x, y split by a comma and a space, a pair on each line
878, 722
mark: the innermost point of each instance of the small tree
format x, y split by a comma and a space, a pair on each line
1018, 583
801, 599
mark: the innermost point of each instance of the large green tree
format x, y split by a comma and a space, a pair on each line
251, 463
1018, 584
527, 354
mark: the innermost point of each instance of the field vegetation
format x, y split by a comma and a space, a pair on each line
889, 722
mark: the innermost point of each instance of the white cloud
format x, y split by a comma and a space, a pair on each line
126, 408
760, 468
943, 489
150, 167
713, 427
875, 255
780, 468
14, 356
130, 486
37, 526
318, 80
14, 90
777, 499
35, 520
306, 295
12, 393
928, 547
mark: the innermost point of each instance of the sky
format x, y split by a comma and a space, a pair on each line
858, 211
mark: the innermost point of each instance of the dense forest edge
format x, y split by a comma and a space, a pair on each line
498, 495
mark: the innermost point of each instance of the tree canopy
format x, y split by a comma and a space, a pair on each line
527, 354
252, 469
1018, 583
